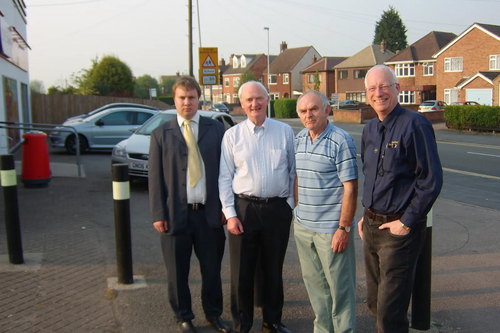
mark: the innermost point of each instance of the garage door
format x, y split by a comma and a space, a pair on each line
482, 96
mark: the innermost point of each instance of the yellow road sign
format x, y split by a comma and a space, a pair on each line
209, 66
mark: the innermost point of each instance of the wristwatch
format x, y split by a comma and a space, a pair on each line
346, 229
405, 227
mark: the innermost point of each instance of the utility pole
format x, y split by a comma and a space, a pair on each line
190, 23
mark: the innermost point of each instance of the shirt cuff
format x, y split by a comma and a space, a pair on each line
229, 212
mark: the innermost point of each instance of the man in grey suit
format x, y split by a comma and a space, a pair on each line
184, 159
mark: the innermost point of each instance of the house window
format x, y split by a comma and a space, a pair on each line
236, 82
358, 96
495, 62
235, 62
226, 82
274, 96
243, 61
428, 69
454, 64
235, 98
273, 79
450, 95
403, 70
311, 78
285, 78
343, 75
360, 74
407, 97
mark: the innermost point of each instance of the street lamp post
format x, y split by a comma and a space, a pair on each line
268, 86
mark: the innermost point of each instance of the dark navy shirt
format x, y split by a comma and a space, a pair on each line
409, 175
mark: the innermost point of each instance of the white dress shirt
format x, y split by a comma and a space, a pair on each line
198, 193
257, 161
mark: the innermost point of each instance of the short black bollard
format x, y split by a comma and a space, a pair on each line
123, 237
421, 297
12, 225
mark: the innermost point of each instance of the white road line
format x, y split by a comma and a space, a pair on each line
470, 152
470, 173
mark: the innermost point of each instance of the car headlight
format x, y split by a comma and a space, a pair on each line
119, 151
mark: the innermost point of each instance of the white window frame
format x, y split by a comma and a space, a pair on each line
285, 78
357, 73
226, 82
407, 97
450, 96
271, 76
274, 96
428, 69
236, 82
495, 62
235, 62
454, 64
243, 61
405, 70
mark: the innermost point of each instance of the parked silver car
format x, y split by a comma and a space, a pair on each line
110, 106
431, 106
134, 151
101, 130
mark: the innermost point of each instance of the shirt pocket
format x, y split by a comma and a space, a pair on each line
392, 159
278, 158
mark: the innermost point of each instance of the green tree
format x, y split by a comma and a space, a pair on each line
245, 77
83, 80
317, 80
113, 77
55, 90
37, 87
391, 29
167, 84
143, 84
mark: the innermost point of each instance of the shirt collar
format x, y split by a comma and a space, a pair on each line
195, 119
391, 117
252, 127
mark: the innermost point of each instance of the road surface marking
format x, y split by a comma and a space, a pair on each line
470, 152
470, 173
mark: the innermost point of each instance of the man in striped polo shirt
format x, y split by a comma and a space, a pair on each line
327, 184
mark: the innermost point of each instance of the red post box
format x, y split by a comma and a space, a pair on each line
36, 166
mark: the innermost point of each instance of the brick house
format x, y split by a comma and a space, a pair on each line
285, 80
238, 66
414, 67
324, 67
350, 73
467, 68
217, 90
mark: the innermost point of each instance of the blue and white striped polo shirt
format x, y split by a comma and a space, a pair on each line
322, 167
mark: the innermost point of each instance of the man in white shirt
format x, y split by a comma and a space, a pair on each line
256, 185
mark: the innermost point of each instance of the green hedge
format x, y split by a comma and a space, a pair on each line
473, 117
273, 114
286, 108
167, 99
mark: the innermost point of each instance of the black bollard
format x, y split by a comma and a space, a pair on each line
123, 236
421, 297
12, 225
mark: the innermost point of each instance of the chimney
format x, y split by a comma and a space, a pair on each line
283, 47
314, 59
231, 59
222, 62
397, 51
383, 46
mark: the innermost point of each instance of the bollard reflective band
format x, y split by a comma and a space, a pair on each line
121, 190
8, 177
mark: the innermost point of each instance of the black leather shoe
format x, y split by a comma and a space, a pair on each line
275, 328
218, 324
187, 327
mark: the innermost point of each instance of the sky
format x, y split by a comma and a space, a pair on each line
151, 36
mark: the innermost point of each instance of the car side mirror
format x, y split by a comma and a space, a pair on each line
99, 122
133, 129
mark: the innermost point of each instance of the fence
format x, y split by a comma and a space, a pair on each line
53, 109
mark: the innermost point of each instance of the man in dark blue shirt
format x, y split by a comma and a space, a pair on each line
403, 178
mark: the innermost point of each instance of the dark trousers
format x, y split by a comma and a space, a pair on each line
266, 229
208, 244
390, 262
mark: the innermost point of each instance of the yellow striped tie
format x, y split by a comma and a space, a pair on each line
194, 165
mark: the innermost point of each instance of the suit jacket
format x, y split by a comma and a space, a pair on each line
167, 173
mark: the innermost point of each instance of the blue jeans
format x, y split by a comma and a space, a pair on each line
390, 262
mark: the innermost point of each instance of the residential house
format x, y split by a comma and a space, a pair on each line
414, 67
323, 69
15, 105
240, 65
285, 79
350, 73
468, 67
217, 93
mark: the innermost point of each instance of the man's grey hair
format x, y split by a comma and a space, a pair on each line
324, 99
386, 68
259, 84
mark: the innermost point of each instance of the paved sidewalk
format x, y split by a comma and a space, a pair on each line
68, 241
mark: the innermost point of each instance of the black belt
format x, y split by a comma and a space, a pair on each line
258, 200
382, 218
196, 206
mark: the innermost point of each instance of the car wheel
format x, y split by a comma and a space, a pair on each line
70, 144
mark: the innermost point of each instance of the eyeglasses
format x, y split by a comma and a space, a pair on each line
384, 87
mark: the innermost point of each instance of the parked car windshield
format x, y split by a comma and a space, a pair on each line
428, 103
154, 122
219, 106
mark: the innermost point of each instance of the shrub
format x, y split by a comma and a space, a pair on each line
286, 108
473, 117
167, 99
